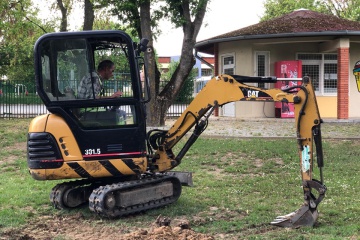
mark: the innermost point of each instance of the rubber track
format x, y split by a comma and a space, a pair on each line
57, 192
97, 198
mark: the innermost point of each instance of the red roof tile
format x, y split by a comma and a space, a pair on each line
298, 21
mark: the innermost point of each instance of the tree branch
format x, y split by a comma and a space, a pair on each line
31, 21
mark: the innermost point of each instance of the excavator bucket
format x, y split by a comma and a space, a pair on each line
304, 216
307, 214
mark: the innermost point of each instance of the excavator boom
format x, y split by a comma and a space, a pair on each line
226, 88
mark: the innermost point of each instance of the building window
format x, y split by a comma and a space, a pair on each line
262, 62
206, 72
322, 69
330, 78
228, 64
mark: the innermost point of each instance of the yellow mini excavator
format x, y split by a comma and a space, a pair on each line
101, 142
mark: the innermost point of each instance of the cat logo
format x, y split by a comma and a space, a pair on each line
253, 94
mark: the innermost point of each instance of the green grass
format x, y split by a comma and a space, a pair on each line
239, 187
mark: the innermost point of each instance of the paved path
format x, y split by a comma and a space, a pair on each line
275, 127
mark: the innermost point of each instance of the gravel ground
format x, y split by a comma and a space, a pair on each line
274, 128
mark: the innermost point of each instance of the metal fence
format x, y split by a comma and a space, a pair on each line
18, 99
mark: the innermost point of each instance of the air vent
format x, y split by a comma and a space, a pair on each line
114, 147
43, 152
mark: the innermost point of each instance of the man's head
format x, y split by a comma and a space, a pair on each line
106, 69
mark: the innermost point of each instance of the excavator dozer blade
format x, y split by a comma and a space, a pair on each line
304, 216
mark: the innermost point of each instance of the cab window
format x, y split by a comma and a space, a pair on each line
65, 63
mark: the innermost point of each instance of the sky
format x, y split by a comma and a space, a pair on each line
222, 16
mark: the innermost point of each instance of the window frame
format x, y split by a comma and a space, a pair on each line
321, 63
227, 66
266, 54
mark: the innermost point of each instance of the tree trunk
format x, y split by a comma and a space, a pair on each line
187, 60
161, 101
63, 23
153, 107
89, 15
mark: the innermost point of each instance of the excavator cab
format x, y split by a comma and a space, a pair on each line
80, 130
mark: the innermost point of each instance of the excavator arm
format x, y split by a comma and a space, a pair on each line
230, 88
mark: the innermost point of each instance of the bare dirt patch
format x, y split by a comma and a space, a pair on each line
76, 227
258, 163
17, 146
